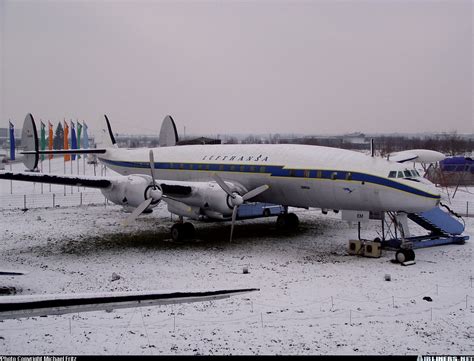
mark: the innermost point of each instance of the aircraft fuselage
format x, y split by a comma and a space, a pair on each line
298, 175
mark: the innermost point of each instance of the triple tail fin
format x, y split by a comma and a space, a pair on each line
29, 141
30, 144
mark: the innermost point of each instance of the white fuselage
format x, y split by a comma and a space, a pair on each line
298, 175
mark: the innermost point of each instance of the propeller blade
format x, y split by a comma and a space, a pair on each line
234, 216
223, 185
137, 211
255, 192
152, 168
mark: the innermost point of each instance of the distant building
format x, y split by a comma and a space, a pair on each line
354, 138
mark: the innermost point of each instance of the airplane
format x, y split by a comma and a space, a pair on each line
211, 182
12, 307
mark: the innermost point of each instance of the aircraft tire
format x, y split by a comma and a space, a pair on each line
405, 255
287, 221
178, 232
293, 221
189, 230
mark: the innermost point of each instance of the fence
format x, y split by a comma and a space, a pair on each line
256, 317
47, 200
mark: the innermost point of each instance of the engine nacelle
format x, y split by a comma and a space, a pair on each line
130, 191
210, 196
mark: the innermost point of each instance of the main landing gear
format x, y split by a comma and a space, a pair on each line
287, 221
182, 231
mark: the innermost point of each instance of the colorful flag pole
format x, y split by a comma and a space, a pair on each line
42, 146
50, 140
67, 157
73, 139
79, 133
50, 147
72, 132
12, 140
85, 141
43, 138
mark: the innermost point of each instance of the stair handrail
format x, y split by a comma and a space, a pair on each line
454, 214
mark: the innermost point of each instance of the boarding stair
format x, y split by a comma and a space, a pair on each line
445, 227
438, 222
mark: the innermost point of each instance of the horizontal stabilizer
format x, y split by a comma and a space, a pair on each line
30, 306
12, 273
68, 180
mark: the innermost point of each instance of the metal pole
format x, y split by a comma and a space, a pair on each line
54, 198
64, 173
11, 181
49, 170
71, 172
41, 166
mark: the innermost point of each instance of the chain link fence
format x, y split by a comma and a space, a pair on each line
48, 200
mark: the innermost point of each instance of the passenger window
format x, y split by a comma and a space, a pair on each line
392, 174
333, 175
348, 176
262, 169
319, 174
306, 173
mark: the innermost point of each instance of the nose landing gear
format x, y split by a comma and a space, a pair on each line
405, 255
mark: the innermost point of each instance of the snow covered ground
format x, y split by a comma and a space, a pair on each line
314, 298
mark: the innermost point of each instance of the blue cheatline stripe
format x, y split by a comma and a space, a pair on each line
276, 171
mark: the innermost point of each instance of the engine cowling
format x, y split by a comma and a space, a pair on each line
211, 198
132, 191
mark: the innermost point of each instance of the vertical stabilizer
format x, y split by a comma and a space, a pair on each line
29, 142
105, 138
109, 128
168, 132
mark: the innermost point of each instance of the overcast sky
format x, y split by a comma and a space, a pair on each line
219, 67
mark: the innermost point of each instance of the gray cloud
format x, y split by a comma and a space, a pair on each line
223, 67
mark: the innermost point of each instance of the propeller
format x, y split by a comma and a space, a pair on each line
154, 194
236, 199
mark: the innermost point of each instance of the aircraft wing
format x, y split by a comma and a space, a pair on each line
405, 156
70, 180
31, 306
417, 155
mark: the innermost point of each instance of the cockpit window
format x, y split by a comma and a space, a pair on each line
407, 173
